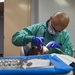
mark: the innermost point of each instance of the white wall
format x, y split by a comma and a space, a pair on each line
34, 12
46, 8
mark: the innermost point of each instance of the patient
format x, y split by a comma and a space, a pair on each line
34, 51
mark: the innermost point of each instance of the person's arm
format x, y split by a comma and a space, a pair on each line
66, 44
24, 36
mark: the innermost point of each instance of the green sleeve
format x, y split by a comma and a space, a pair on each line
24, 36
67, 45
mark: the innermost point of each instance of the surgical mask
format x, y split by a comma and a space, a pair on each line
51, 30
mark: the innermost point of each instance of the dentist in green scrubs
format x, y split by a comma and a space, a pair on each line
51, 34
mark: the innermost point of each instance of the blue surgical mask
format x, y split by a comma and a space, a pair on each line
51, 30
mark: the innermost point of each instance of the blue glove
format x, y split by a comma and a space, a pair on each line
53, 44
38, 41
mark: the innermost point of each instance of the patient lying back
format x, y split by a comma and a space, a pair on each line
34, 51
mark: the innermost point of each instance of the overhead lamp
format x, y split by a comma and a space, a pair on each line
1, 0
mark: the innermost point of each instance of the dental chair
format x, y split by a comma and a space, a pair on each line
24, 50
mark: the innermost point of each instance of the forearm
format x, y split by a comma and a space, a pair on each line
21, 39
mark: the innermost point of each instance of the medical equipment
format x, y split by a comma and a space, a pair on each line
13, 63
9, 63
60, 50
38, 64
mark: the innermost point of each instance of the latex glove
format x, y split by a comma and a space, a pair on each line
38, 41
53, 44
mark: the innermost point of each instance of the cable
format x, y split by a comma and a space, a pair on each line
59, 50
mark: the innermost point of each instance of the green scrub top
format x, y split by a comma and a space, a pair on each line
24, 36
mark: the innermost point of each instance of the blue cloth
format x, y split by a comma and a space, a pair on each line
60, 67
